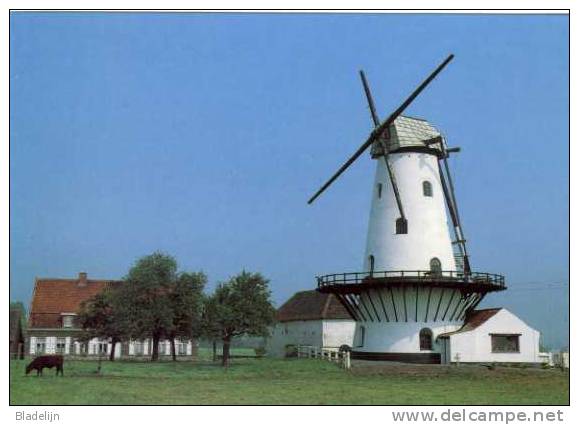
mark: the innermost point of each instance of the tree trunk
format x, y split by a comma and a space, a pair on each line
226, 345
214, 350
113, 345
173, 353
155, 354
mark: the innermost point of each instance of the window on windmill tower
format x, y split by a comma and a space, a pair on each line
401, 226
435, 266
427, 188
425, 339
379, 190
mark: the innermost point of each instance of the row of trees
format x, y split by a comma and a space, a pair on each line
157, 301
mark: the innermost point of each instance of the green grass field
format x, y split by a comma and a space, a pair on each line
284, 381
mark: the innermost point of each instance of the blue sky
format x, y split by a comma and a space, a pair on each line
203, 135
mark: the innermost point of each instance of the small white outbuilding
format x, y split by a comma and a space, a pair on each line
493, 335
311, 318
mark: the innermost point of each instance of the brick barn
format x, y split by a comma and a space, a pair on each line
53, 327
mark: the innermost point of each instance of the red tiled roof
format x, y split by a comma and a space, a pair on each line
473, 321
55, 296
311, 305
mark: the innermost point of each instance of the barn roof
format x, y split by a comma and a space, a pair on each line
52, 297
407, 132
311, 305
475, 319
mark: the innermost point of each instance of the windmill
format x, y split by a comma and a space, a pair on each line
416, 282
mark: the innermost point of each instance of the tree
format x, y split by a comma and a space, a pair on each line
240, 306
18, 305
147, 293
102, 317
186, 300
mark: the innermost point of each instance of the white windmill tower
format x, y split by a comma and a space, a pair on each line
416, 283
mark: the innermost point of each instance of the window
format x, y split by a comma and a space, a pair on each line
83, 348
371, 263
401, 226
505, 343
40, 346
182, 348
102, 347
427, 188
435, 266
162, 348
60, 345
379, 190
139, 348
425, 339
67, 321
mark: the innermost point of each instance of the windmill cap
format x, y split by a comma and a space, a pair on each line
408, 132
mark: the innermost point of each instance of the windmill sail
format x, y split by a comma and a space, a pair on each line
378, 131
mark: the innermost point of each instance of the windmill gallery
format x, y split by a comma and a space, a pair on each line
415, 298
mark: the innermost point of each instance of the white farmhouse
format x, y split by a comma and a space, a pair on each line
53, 327
311, 318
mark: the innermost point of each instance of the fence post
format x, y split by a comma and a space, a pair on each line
347, 360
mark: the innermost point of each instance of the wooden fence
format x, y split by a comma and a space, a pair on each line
332, 354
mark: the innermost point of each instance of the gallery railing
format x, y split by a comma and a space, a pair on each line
411, 275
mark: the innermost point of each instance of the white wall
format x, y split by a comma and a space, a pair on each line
32, 345
428, 234
72, 348
319, 333
338, 332
306, 332
475, 346
400, 337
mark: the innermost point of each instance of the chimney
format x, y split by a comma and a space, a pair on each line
82, 279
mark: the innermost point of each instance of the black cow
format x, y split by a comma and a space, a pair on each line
41, 362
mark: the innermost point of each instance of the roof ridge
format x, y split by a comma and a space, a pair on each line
67, 279
413, 118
